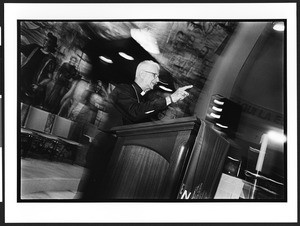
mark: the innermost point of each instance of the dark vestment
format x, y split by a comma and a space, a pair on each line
132, 105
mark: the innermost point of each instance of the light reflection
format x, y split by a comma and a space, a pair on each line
215, 115
145, 39
165, 88
217, 109
222, 126
276, 136
219, 102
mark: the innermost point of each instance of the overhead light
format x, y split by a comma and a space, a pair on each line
105, 59
126, 56
278, 26
145, 39
165, 88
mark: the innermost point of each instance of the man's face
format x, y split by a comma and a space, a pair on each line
151, 77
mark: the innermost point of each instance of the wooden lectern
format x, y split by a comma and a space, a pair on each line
150, 160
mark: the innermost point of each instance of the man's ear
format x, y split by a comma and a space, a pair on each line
142, 74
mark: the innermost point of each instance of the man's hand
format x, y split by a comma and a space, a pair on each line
180, 93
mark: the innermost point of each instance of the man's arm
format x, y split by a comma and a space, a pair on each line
178, 95
126, 102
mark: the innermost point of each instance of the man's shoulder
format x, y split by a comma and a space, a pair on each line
121, 90
124, 87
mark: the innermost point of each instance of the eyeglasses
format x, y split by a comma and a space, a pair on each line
154, 74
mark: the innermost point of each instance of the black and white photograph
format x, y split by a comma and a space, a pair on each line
133, 113
120, 103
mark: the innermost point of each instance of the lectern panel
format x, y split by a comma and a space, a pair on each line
139, 173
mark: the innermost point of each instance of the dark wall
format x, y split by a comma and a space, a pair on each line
261, 80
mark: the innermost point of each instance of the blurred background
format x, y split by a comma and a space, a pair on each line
242, 62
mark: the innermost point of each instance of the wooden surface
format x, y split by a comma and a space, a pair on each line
179, 124
138, 173
205, 166
162, 160
149, 160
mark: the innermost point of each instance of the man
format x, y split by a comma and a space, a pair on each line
60, 84
129, 99
38, 66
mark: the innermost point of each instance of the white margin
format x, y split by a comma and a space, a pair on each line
146, 212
